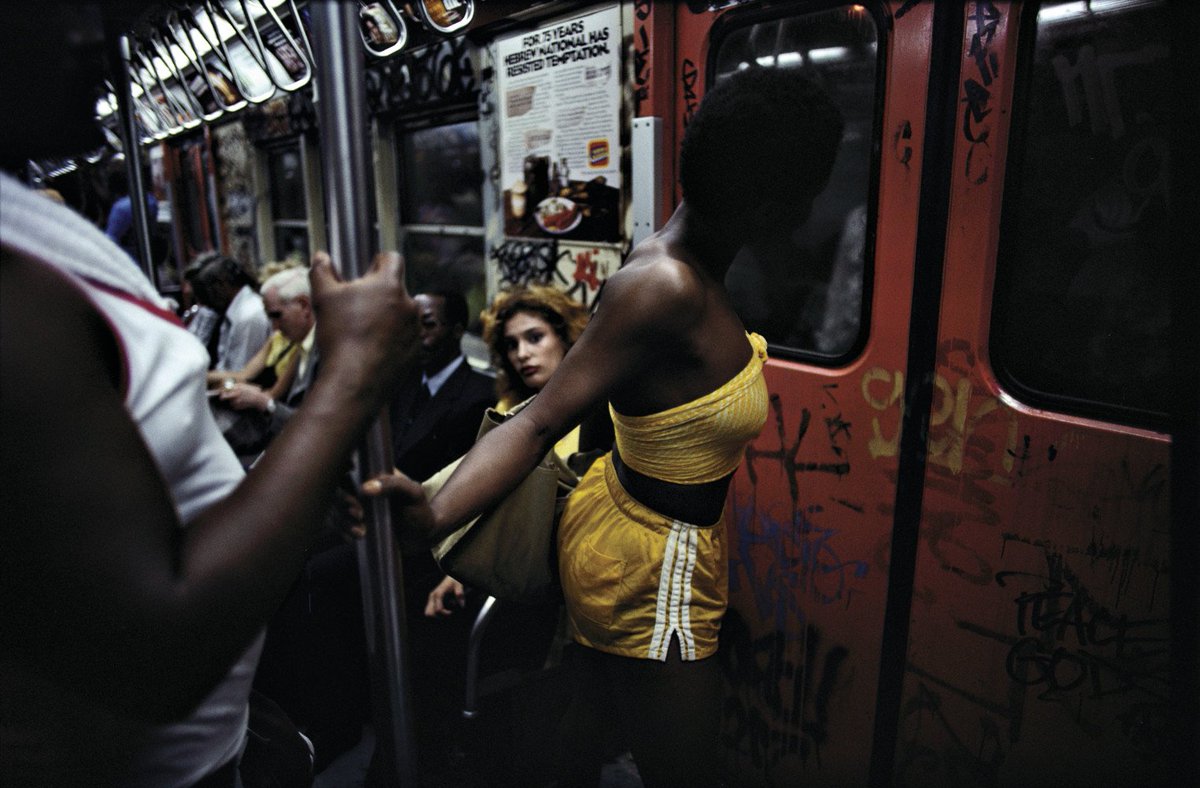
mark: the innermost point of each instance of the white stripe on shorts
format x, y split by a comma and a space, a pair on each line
672, 612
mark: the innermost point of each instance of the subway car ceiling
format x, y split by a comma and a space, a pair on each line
189, 64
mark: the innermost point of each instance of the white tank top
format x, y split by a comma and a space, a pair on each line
164, 368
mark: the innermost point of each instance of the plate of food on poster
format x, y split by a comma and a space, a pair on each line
557, 215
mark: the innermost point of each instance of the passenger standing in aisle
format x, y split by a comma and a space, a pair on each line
138, 564
642, 554
119, 226
528, 331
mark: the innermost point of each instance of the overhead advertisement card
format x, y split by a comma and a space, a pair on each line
560, 96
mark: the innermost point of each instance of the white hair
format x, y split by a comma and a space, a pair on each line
289, 284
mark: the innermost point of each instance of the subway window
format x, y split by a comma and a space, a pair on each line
441, 211
1082, 319
289, 215
802, 287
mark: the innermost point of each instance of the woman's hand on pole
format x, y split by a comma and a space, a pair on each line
414, 518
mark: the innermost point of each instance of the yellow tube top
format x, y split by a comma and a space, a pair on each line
702, 440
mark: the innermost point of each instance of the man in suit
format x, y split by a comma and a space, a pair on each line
435, 416
437, 410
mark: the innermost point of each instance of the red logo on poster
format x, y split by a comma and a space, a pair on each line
597, 153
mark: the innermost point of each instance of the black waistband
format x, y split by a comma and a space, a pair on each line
696, 504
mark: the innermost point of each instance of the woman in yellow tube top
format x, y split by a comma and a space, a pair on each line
642, 552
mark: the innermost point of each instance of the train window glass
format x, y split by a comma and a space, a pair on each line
291, 241
802, 287
441, 211
442, 175
287, 182
1081, 319
289, 214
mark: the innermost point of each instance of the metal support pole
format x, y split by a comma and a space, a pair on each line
133, 154
345, 165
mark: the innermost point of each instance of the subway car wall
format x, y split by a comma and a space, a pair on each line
962, 550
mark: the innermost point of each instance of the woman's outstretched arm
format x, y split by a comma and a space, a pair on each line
641, 317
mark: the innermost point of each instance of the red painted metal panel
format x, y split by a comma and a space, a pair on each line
1038, 641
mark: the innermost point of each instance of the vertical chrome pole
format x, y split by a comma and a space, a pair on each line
133, 154
345, 166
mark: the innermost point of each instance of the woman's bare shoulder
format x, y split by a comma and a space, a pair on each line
656, 285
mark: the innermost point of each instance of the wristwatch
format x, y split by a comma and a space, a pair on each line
270, 407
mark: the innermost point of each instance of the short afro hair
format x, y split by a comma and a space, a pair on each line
454, 307
760, 133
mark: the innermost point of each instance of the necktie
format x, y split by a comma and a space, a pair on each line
419, 400
214, 341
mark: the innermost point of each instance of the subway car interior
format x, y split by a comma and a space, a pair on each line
963, 550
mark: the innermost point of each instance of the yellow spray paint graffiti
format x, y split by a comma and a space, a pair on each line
951, 423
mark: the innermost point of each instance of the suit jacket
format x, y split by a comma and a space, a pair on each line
431, 436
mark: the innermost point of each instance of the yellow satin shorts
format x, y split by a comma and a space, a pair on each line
633, 578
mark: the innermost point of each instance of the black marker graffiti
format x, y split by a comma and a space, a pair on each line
690, 76
760, 720
802, 562
908, 6
1068, 641
986, 20
902, 143
641, 68
958, 761
641, 55
525, 262
789, 456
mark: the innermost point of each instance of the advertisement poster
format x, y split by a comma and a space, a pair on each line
560, 95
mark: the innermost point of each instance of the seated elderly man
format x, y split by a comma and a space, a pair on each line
287, 303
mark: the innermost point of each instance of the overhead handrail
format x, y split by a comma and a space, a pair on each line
187, 45
394, 17
186, 116
182, 117
153, 119
220, 50
165, 55
259, 51
302, 48
446, 16
149, 120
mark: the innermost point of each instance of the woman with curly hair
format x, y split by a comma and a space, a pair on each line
529, 330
